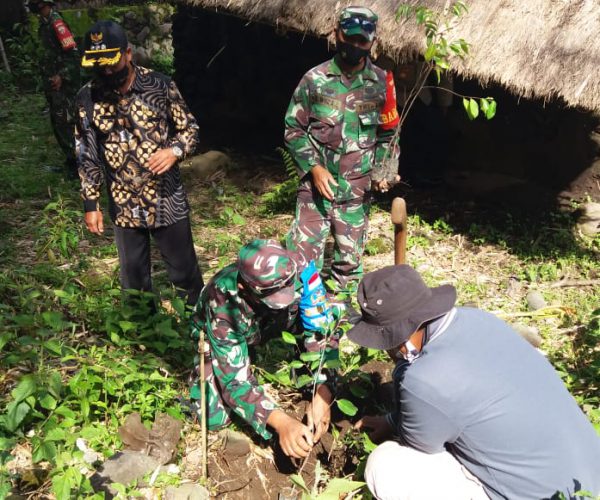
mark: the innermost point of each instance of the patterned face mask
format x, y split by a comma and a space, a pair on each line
412, 352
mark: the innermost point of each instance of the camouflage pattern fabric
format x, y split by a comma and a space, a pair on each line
358, 21
337, 122
60, 57
234, 319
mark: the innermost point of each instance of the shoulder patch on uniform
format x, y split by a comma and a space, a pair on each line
64, 35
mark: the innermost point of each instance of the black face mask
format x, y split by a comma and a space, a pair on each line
115, 80
349, 53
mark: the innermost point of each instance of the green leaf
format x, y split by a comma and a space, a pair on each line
66, 412
303, 380
127, 325
299, 481
288, 338
359, 391
45, 451
491, 110
296, 364
347, 407
5, 338
471, 107
15, 415
484, 105
55, 385
430, 52
27, 386
310, 356
338, 487
53, 346
47, 402
56, 434
61, 486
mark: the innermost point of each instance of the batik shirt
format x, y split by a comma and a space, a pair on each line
232, 324
116, 135
338, 123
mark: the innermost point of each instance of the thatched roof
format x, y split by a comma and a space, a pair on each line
535, 48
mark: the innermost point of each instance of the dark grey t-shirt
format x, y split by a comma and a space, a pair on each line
484, 394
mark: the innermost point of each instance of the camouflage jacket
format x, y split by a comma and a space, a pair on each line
232, 323
60, 55
338, 123
116, 135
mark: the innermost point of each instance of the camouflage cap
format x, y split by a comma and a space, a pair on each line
358, 21
269, 272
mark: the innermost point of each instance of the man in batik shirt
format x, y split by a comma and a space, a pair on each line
339, 127
133, 128
244, 304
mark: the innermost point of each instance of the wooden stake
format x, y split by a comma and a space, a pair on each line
4, 58
204, 436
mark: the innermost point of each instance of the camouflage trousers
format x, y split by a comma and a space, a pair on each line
348, 223
218, 414
61, 105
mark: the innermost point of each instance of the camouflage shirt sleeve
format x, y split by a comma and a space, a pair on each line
296, 129
231, 363
89, 165
186, 127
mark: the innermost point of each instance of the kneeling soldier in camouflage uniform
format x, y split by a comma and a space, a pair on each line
339, 126
60, 75
244, 304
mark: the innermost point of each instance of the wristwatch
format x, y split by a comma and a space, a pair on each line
177, 151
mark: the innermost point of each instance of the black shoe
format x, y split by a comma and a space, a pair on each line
352, 315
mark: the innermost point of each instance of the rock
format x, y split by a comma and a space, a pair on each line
123, 467
513, 287
535, 300
589, 222
140, 55
165, 29
188, 491
236, 444
142, 35
529, 333
205, 165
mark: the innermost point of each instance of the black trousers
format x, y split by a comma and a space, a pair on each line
177, 250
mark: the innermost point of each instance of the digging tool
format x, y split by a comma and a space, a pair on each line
399, 219
203, 429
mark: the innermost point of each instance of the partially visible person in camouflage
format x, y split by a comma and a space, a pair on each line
245, 304
338, 128
60, 76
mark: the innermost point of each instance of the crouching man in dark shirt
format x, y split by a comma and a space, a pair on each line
479, 412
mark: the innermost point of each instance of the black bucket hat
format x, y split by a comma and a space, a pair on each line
395, 302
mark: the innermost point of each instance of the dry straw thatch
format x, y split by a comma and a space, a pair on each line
535, 48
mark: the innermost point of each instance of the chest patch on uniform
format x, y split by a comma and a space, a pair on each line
64, 35
366, 106
326, 100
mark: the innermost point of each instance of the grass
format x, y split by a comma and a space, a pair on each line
76, 358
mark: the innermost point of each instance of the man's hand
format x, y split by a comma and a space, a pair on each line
161, 161
94, 222
322, 179
384, 186
381, 429
318, 413
295, 438
56, 82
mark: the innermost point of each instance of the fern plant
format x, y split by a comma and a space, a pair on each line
282, 197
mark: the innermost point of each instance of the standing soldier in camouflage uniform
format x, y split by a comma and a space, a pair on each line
244, 304
339, 127
60, 75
